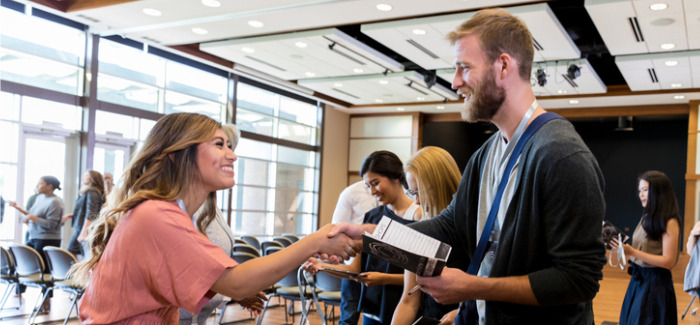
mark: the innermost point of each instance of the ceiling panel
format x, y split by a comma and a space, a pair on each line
423, 40
401, 87
230, 20
671, 70
312, 54
631, 27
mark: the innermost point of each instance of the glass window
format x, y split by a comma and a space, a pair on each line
37, 111
10, 106
115, 123
256, 99
127, 93
9, 133
8, 190
179, 103
255, 122
251, 171
297, 132
192, 81
41, 53
299, 112
129, 63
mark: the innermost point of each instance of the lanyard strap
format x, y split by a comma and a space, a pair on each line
488, 227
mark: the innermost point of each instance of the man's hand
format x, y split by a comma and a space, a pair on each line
352, 230
452, 286
449, 318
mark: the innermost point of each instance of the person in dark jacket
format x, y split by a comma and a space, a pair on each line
87, 208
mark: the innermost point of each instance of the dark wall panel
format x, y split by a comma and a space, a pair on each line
659, 144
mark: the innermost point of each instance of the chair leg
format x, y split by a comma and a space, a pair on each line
73, 304
6, 295
35, 312
262, 314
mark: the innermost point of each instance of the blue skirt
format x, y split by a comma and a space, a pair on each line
650, 298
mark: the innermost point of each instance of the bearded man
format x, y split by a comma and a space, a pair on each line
544, 256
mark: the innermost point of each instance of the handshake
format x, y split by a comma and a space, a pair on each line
340, 242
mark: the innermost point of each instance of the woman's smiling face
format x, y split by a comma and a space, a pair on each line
382, 188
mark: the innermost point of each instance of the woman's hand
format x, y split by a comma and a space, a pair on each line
254, 303
14, 205
312, 265
370, 279
629, 250
66, 217
449, 318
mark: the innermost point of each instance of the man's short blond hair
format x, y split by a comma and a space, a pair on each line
499, 32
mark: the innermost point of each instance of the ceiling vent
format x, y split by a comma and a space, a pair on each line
423, 49
335, 48
635, 29
570, 81
264, 62
345, 93
652, 75
537, 45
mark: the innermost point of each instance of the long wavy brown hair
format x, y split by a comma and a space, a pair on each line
164, 170
97, 183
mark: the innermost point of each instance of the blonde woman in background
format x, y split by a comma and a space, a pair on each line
433, 177
148, 259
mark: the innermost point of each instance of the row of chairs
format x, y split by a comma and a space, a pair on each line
23, 265
298, 286
251, 245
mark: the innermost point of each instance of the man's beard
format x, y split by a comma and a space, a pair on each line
485, 100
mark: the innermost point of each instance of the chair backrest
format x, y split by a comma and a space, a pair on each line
27, 260
327, 282
252, 241
246, 248
291, 237
267, 244
239, 241
242, 257
286, 242
273, 249
289, 280
7, 263
59, 262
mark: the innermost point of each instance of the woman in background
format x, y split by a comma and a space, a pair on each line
382, 171
433, 177
148, 259
87, 208
650, 297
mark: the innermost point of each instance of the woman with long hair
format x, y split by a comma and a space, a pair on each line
650, 297
87, 209
148, 258
382, 171
433, 177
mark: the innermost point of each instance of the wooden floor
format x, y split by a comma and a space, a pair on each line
606, 305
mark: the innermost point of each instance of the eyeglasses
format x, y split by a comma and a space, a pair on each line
412, 193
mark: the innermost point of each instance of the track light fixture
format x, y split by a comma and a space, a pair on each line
573, 72
541, 77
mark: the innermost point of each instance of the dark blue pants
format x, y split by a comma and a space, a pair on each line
349, 297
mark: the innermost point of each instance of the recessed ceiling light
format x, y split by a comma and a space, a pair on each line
379, 100
358, 70
420, 99
310, 74
419, 31
152, 12
255, 23
338, 85
384, 7
562, 91
200, 31
301, 44
248, 50
678, 97
671, 63
668, 46
383, 82
573, 101
440, 107
211, 3
676, 85
658, 6
400, 109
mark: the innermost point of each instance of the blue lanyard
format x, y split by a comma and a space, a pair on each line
488, 227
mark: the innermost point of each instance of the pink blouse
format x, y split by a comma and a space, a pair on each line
155, 262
